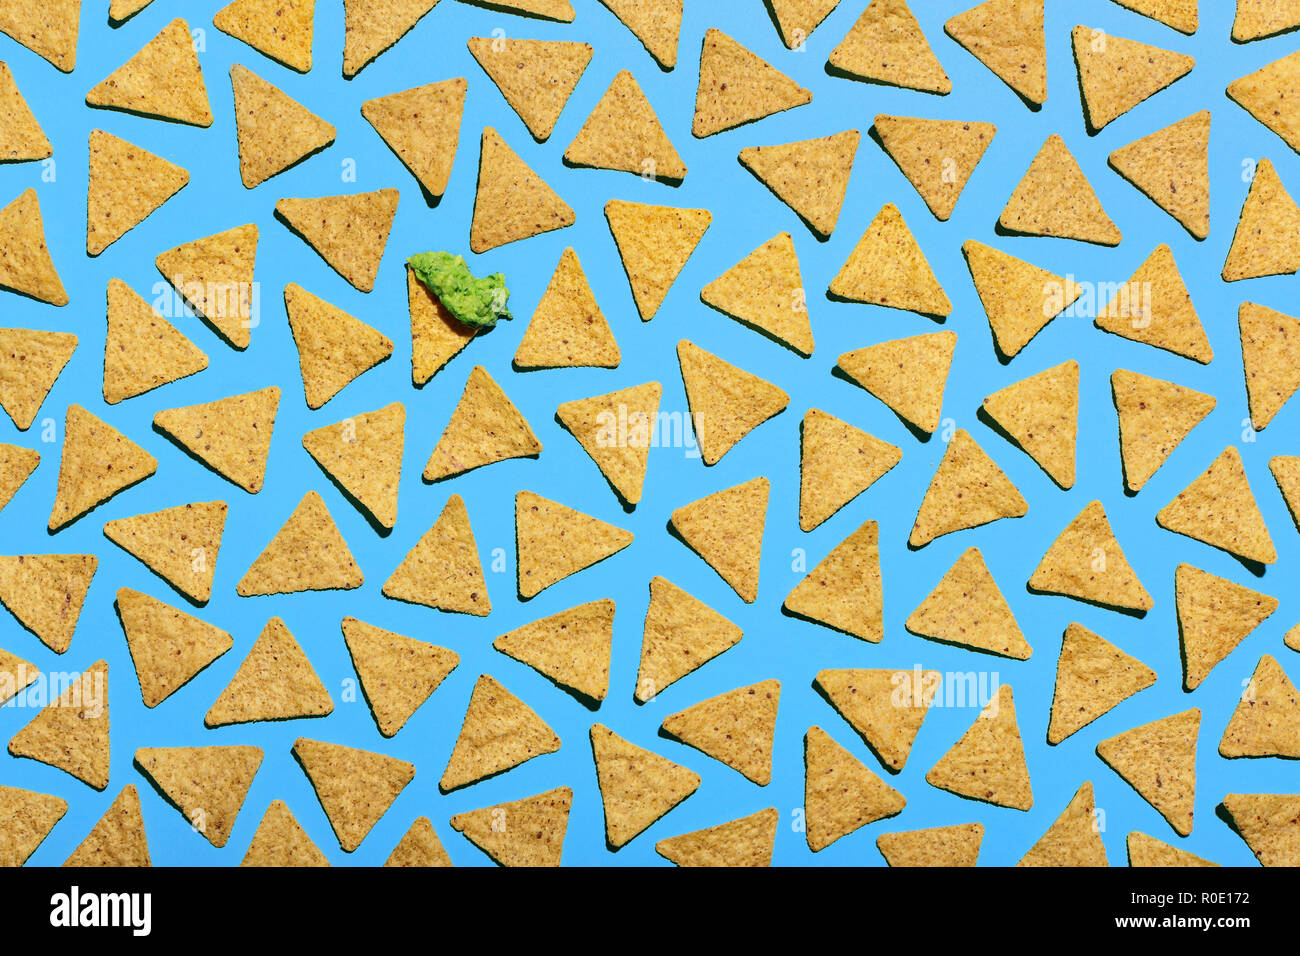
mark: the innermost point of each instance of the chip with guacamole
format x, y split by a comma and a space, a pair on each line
476, 302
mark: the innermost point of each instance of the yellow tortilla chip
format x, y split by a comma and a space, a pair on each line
275, 682
1260, 19
499, 732
48, 29
1054, 198
1154, 308
737, 728
656, 23
355, 787
1007, 37
840, 794
1093, 677
279, 29
810, 176
1116, 74
536, 77
215, 276
30, 361
1172, 166
1159, 761
207, 784
637, 787
553, 541
180, 544
967, 609
422, 127
1154, 417
118, 839
623, 133
887, 267
1146, 851
915, 145
1074, 839
528, 832
1214, 616
1269, 823
1269, 93
16, 466
837, 463
746, 842
127, 184
28, 819
886, 45
168, 647
71, 732
1292, 638
726, 530
1179, 14
119, 11
1219, 509
21, 137
1266, 241
307, 554
281, 841
46, 593
98, 462
1086, 563
726, 402
654, 243
988, 762
334, 348
162, 81
142, 350
616, 431
232, 436
681, 633
1270, 352
512, 201
797, 19
363, 456
1266, 722
844, 591
419, 847
485, 428
1019, 298
443, 570
1041, 415
738, 87
885, 707
25, 263
572, 647
908, 375
16, 675
436, 335
567, 329
349, 232
1286, 472
559, 10
370, 27
764, 292
968, 490
397, 673
274, 130
935, 846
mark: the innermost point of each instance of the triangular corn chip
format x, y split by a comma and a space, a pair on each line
810, 176
1286, 472
840, 793
764, 292
512, 201
1154, 417
887, 267
1093, 676
915, 143
275, 682
437, 336
1270, 353
355, 787
98, 462
46, 593
1179, 14
443, 570
558, 10
1146, 851
988, 762
1154, 308
1268, 94
553, 541
1260, 19
967, 609
164, 81
935, 846
1086, 563
654, 243
118, 839
48, 29
1018, 297
1159, 761
307, 554
1269, 823
1214, 616
1041, 415
28, 819
1266, 722
656, 23
274, 130
726, 530
179, 544
280, 841
1116, 74
908, 375
1007, 37
637, 786
30, 361
844, 591
1074, 839
1172, 166
572, 647
1267, 239
567, 329
71, 732
422, 127
127, 184
623, 133
419, 847
536, 77
535, 839
142, 350
837, 463
681, 633
363, 456
748, 841
16, 466
738, 728
485, 428
738, 87
397, 673
616, 431
25, 263
168, 647
370, 27
796, 19
1219, 509
207, 784
215, 276
726, 402
280, 29
886, 46
349, 232
968, 490
21, 137
334, 348
885, 707
232, 436
499, 733
1054, 198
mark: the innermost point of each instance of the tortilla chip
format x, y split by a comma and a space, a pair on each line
1154, 417
810, 176
1093, 677
485, 428
28, 819
886, 45
349, 232
764, 292
275, 682
16, 466
232, 436
527, 832
797, 19
363, 456
536, 77
968, 490
616, 431
46, 593
1179, 14
168, 647
1147, 851
681, 633
838, 462
572, 647
1019, 298
840, 794
215, 277
207, 784
30, 361
1269, 93
1041, 415
887, 267
118, 839
98, 462
49, 29
737, 728
654, 243
1267, 239
422, 127
25, 263
1007, 37
844, 591
71, 732
1074, 839
726, 402
637, 787
436, 335
1086, 563
738, 87
746, 842
1266, 722
1159, 761
162, 81
988, 762
935, 846
967, 609
1270, 352
370, 27
656, 23
142, 350
21, 137
1155, 308
1214, 616
127, 184
512, 201
16, 675
1286, 472
1219, 509
281, 841
1054, 198
558, 10
397, 673
355, 787
1172, 166
726, 530
1269, 823
307, 554
334, 348
499, 732
567, 329
937, 156
623, 133
180, 545
1116, 74
1260, 19
885, 707
119, 11
279, 29
419, 847
442, 570
553, 541
275, 131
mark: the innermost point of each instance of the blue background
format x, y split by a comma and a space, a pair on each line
745, 214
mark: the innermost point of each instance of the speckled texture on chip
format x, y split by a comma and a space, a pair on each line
968, 490
568, 329
118, 839
71, 732
1154, 417
280, 841
436, 335
98, 462
837, 463
726, 530
30, 362
937, 156
274, 130
179, 544
207, 784
1267, 239
363, 456
25, 263
887, 267
1147, 851
764, 292
21, 136
422, 127
164, 80
681, 633
1007, 36
988, 762
840, 794
737, 728
637, 786
45, 592
553, 541
1269, 823
275, 682
1073, 839
726, 402
656, 23
28, 817
1266, 722
307, 554
1041, 415
1259, 19
886, 45
334, 348
49, 29
1214, 616
1116, 74
512, 202
527, 833
738, 87
885, 707
419, 847
142, 350
442, 570
1270, 354
1154, 308
1019, 298
499, 733
1269, 94
746, 842
127, 184
1219, 509
1159, 761
1172, 166
1054, 198
349, 232
796, 19
908, 375
1180, 14
623, 133
355, 787
167, 646
1286, 472
654, 243
16, 675
536, 77
1086, 563
214, 274
934, 846
1093, 677
844, 591
280, 29
16, 466
485, 428
572, 647
967, 609
810, 176
232, 436
617, 430
397, 673
370, 27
